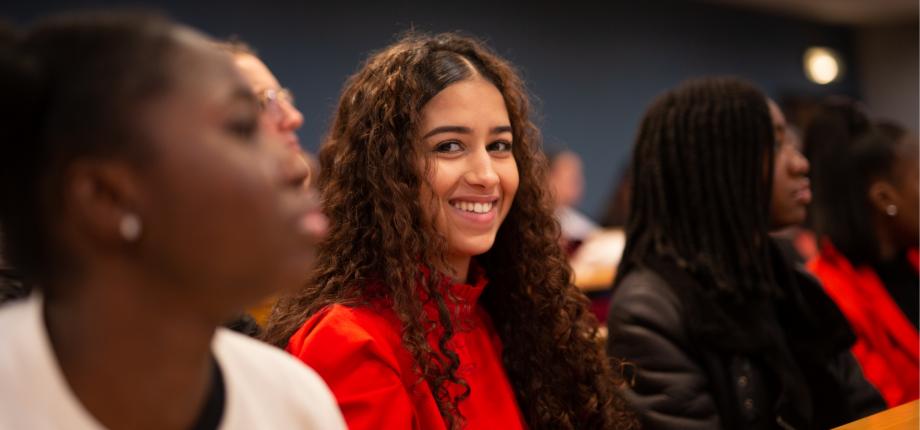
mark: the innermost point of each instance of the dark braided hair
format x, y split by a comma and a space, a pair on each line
701, 185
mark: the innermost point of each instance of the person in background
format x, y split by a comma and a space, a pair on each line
441, 297
280, 119
567, 182
868, 261
791, 192
132, 154
722, 332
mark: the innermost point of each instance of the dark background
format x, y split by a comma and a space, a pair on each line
591, 66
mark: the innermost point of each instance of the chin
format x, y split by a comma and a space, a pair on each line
474, 248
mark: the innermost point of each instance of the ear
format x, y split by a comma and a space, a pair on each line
99, 194
882, 195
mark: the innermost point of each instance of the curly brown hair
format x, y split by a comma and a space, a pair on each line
379, 236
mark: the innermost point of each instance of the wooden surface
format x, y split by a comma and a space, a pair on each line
906, 416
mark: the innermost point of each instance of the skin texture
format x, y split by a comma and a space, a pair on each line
791, 191
221, 207
467, 141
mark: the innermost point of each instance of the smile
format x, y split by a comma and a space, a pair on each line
473, 207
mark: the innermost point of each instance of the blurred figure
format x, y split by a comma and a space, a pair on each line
279, 119
868, 258
791, 193
722, 331
567, 181
139, 196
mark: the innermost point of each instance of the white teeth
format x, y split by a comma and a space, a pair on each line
479, 208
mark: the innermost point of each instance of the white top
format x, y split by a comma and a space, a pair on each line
264, 387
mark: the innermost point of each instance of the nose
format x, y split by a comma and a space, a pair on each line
291, 119
481, 172
799, 164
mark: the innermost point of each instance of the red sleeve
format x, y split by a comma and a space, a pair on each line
351, 355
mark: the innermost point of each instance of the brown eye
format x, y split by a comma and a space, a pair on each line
500, 146
449, 147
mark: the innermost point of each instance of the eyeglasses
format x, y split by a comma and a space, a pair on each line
270, 100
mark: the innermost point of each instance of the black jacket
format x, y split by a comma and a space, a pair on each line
701, 362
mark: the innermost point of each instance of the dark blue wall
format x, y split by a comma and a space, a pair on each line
593, 67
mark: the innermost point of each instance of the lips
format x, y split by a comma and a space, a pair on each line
803, 194
475, 210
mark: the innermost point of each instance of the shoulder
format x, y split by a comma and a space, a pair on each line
647, 319
260, 377
239, 353
338, 334
644, 296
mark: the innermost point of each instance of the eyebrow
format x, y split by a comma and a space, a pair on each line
464, 130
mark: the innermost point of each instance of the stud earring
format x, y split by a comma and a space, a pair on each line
891, 210
130, 227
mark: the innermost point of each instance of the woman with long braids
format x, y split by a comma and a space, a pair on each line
721, 330
441, 298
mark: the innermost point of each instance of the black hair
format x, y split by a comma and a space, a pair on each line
701, 186
72, 86
845, 216
837, 122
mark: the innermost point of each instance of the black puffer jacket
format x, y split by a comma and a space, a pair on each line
701, 362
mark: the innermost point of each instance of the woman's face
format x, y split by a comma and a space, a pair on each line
466, 140
280, 118
221, 204
791, 192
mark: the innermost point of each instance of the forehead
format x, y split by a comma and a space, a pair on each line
200, 71
466, 101
255, 72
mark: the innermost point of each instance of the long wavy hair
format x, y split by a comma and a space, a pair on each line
380, 237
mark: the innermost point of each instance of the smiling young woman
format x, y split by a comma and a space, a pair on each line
441, 297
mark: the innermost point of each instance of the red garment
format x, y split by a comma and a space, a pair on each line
887, 343
359, 353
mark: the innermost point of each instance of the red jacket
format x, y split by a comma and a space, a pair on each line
887, 342
359, 353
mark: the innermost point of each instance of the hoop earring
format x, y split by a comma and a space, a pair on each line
130, 227
891, 210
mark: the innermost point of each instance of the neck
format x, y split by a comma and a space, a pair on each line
135, 356
887, 249
459, 266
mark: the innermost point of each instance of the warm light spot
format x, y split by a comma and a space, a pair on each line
822, 65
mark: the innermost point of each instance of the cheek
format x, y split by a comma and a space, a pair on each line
510, 177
